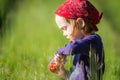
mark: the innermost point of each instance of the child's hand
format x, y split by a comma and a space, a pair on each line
57, 63
61, 71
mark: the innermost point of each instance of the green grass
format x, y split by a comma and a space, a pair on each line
32, 39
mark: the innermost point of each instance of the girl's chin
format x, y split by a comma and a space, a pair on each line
70, 40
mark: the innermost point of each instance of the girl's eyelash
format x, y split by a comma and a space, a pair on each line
64, 28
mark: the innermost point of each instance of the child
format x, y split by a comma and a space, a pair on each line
78, 19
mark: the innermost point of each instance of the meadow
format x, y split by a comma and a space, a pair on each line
31, 38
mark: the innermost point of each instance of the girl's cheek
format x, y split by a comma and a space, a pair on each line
70, 30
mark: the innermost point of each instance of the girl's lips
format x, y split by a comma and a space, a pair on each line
68, 38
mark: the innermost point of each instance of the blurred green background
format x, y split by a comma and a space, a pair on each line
29, 38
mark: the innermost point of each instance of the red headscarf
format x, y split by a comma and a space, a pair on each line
79, 9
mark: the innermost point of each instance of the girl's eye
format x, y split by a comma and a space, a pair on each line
64, 28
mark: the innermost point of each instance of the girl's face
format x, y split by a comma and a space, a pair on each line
67, 28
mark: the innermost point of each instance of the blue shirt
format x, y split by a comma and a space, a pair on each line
80, 49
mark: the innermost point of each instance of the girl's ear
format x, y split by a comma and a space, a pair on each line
80, 22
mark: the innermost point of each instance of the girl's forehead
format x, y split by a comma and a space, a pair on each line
61, 21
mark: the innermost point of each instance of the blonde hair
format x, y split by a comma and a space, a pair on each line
88, 28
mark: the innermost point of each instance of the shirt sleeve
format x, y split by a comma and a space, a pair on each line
77, 47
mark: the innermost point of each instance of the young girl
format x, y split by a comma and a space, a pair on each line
78, 19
